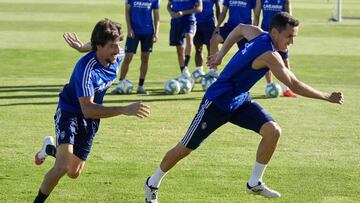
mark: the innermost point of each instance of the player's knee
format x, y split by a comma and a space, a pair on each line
145, 58
271, 130
73, 174
60, 170
127, 59
198, 50
275, 131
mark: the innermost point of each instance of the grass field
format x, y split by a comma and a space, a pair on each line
317, 160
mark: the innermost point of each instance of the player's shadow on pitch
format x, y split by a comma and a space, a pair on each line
31, 88
143, 99
30, 96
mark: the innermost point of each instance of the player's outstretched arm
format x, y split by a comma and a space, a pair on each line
276, 65
241, 31
95, 111
73, 41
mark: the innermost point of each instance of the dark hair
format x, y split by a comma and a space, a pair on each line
105, 30
280, 20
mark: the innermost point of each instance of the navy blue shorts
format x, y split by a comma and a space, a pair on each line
204, 33
225, 31
178, 31
145, 40
72, 128
209, 117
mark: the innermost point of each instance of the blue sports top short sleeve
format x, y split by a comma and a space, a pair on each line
89, 78
141, 15
269, 9
182, 5
231, 88
239, 11
207, 13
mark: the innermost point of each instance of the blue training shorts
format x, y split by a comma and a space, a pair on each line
72, 128
209, 117
146, 42
204, 32
178, 31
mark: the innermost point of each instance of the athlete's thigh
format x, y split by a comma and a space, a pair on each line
225, 31
208, 118
251, 115
207, 30
131, 44
85, 137
64, 153
198, 39
189, 29
146, 43
176, 37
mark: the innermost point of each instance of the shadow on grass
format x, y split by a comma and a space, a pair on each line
144, 99
30, 96
31, 88
154, 92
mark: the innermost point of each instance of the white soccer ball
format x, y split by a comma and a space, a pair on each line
207, 81
172, 87
197, 75
124, 87
273, 90
185, 85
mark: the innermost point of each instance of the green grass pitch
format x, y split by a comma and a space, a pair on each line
317, 160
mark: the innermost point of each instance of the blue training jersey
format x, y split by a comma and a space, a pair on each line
141, 15
182, 5
231, 88
207, 13
269, 9
239, 11
89, 78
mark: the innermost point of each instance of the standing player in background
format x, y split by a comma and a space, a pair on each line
269, 9
227, 100
239, 12
183, 25
205, 25
140, 28
80, 108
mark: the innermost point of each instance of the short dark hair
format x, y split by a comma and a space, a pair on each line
105, 30
280, 20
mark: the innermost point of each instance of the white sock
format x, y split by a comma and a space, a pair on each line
258, 172
200, 68
156, 178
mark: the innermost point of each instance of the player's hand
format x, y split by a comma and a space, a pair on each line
155, 38
176, 14
214, 60
130, 33
73, 41
138, 109
179, 14
336, 97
